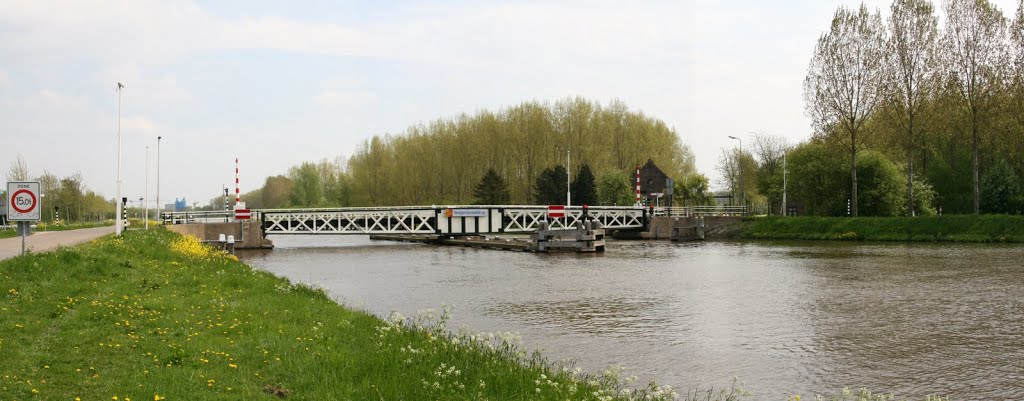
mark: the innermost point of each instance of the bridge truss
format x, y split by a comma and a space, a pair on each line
450, 220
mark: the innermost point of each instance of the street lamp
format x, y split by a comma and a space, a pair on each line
739, 166
159, 207
568, 179
119, 223
785, 209
145, 202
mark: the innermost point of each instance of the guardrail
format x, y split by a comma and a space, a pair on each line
205, 216
700, 211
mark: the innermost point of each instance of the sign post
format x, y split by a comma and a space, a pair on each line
24, 206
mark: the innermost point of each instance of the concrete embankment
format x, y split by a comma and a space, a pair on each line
247, 234
686, 228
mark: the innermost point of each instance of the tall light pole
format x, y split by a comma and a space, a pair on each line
145, 200
118, 224
739, 166
159, 207
785, 209
568, 179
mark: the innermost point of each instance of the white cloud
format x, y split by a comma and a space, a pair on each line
4, 79
143, 88
346, 98
488, 34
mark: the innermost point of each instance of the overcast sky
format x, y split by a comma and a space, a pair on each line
277, 83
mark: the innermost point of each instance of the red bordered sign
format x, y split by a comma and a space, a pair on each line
24, 202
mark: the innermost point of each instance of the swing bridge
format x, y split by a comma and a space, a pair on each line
430, 220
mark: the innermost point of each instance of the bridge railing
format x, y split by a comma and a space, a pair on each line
701, 211
201, 216
433, 219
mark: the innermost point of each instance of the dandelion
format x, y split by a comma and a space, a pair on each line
232, 366
156, 397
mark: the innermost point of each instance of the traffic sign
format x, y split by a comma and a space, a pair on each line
243, 214
23, 200
556, 211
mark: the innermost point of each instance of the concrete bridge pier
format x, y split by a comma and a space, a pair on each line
248, 234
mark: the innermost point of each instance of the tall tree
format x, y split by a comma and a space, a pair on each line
307, 191
739, 173
276, 192
551, 186
692, 190
492, 189
769, 152
911, 52
19, 169
842, 85
584, 189
1017, 81
615, 189
974, 45
1002, 189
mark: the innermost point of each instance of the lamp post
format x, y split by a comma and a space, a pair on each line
145, 195
785, 209
739, 166
568, 179
159, 207
118, 224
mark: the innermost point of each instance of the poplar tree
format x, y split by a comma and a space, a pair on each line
842, 85
975, 50
911, 51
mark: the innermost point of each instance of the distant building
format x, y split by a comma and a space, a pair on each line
655, 186
180, 205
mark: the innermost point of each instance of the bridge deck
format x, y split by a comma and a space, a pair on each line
443, 220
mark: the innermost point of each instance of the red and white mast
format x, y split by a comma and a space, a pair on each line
238, 193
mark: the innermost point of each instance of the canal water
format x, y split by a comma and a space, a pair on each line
783, 318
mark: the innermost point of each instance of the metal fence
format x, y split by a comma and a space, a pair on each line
700, 211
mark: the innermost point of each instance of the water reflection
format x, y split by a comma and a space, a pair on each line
621, 317
786, 318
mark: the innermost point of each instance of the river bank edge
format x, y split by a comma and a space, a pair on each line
949, 228
156, 315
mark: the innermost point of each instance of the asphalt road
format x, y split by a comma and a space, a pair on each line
42, 241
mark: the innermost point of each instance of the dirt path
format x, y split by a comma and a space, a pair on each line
42, 241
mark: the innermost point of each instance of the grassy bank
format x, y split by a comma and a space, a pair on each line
12, 232
154, 316
958, 228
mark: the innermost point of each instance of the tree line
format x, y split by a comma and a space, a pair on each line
446, 160
911, 115
942, 101
67, 197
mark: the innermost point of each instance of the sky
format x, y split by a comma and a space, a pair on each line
278, 83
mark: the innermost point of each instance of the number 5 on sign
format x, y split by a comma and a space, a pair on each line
23, 201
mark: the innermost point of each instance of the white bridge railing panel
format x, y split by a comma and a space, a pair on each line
441, 220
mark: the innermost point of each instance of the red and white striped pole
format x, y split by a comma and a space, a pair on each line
637, 185
238, 194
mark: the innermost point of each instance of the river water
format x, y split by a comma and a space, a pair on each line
784, 318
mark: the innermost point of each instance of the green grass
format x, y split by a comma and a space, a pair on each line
73, 226
154, 315
958, 228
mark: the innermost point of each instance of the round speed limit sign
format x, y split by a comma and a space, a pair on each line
23, 203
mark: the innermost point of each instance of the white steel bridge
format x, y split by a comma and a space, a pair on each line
437, 220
